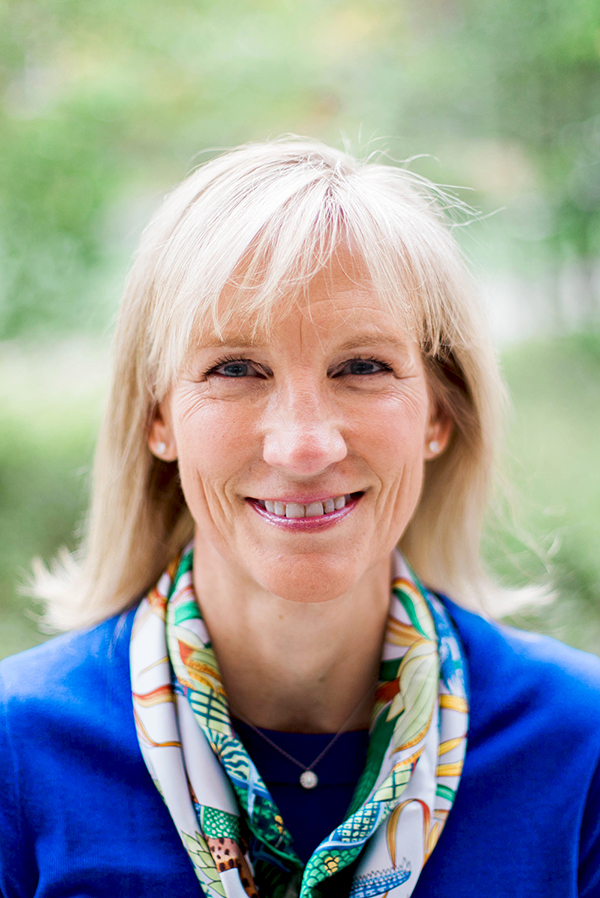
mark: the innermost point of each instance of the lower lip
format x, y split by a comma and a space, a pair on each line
308, 525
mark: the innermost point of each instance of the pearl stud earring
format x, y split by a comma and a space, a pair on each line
160, 448
434, 446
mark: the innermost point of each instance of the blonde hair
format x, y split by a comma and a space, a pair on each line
260, 222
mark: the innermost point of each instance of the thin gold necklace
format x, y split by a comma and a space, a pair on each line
308, 778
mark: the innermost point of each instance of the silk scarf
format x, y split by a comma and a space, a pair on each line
231, 828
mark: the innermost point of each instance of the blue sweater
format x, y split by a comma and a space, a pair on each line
80, 816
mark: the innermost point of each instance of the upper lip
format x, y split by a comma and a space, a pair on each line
304, 499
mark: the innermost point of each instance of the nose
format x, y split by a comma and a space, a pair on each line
303, 433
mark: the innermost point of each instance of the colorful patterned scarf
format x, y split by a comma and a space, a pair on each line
231, 828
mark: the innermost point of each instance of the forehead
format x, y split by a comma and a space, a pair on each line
339, 303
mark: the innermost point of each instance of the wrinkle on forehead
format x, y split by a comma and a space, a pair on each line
323, 318
242, 322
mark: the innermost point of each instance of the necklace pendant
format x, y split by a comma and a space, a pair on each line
309, 779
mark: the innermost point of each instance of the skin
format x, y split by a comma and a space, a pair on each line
334, 402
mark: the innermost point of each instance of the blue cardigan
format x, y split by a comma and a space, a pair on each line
80, 816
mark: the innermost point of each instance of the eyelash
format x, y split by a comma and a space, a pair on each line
383, 366
233, 360
228, 360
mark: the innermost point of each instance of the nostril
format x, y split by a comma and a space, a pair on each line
304, 450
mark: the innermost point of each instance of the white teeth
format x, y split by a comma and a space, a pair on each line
314, 509
294, 511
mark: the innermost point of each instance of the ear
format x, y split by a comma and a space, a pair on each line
437, 434
161, 439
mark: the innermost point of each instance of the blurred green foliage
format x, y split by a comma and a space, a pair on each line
50, 401
104, 106
549, 529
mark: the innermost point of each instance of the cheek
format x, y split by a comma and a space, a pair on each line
395, 433
213, 445
394, 440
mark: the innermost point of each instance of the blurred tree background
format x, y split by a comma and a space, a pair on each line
105, 106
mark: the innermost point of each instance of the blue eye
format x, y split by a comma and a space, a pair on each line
361, 367
232, 366
234, 369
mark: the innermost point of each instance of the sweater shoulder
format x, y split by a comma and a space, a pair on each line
68, 665
511, 669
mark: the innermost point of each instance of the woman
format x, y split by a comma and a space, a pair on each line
302, 383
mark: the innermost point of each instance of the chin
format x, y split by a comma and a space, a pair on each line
311, 579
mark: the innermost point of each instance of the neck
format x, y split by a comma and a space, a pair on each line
294, 666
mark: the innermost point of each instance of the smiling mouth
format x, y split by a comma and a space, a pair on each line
312, 510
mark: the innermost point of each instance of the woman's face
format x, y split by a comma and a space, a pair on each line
301, 456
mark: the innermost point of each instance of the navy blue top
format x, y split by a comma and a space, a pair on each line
310, 815
80, 816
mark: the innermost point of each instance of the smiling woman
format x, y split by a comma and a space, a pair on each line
303, 383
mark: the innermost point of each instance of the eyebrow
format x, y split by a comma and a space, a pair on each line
231, 343
367, 339
371, 338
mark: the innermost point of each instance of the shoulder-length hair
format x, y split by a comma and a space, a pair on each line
260, 222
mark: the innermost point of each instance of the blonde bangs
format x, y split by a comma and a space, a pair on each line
279, 233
